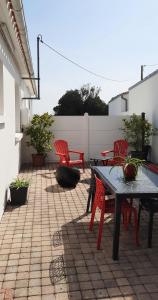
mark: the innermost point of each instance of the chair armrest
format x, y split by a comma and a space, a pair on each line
61, 154
104, 153
78, 152
75, 151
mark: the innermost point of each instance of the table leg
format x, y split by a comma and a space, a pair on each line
116, 233
91, 192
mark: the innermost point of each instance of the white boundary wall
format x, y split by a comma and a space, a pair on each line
90, 134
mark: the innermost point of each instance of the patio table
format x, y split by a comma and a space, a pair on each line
145, 186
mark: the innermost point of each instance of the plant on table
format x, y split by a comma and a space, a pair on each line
40, 137
130, 167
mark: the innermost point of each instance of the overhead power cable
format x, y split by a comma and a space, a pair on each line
78, 65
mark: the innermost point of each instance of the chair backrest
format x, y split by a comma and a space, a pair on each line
120, 148
99, 192
61, 146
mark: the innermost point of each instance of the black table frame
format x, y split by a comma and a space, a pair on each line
119, 196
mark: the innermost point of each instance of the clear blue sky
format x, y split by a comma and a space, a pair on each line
112, 38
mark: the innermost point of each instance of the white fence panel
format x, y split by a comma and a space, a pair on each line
90, 134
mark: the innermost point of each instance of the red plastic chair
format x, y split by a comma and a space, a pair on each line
120, 150
62, 150
106, 204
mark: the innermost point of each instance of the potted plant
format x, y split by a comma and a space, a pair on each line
130, 166
40, 137
18, 191
138, 131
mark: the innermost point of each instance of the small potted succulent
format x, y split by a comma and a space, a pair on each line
18, 191
130, 166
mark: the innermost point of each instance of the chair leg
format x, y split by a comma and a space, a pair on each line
92, 217
101, 223
83, 166
139, 213
125, 218
150, 229
131, 204
136, 226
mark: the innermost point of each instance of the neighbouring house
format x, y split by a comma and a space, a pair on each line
118, 105
141, 97
15, 63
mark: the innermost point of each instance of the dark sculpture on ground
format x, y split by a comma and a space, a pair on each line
67, 177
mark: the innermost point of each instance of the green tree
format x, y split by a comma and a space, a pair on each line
77, 102
93, 105
70, 104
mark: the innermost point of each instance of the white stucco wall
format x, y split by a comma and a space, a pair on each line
10, 156
144, 98
90, 134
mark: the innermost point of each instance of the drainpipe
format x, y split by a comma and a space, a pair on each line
126, 102
143, 132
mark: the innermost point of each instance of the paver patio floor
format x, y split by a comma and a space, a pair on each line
47, 251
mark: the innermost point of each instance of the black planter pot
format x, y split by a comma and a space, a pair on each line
18, 196
145, 154
139, 154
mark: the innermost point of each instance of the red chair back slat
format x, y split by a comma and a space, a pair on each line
120, 148
99, 193
61, 146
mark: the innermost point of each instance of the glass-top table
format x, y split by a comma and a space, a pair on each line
145, 186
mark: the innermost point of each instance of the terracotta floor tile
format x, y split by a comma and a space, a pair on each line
47, 251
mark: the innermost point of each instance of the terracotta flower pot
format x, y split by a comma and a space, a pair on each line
130, 171
38, 160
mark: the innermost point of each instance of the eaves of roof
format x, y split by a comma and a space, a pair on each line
146, 78
119, 95
17, 17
